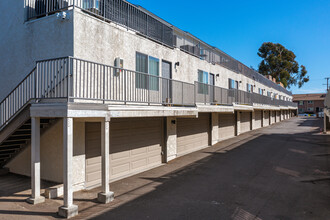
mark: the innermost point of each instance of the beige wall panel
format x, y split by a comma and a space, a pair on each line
193, 133
266, 118
245, 121
258, 115
226, 126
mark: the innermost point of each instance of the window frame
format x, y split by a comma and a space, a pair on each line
203, 81
146, 79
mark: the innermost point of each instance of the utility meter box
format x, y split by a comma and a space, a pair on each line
119, 64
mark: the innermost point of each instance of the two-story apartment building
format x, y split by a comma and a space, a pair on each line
309, 103
97, 90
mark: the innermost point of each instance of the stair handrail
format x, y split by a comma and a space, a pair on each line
6, 116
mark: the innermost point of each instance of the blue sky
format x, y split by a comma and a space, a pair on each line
239, 27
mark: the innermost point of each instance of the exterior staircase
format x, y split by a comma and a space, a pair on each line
15, 141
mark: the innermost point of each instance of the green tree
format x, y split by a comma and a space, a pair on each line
280, 63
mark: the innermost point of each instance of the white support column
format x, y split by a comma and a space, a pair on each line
105, 196
238, 123
35, 162
215, 128
171, 139
253, 120
263, 118
68, 210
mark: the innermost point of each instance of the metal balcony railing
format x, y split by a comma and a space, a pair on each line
209, 94
76, 80
145, 23
120, 12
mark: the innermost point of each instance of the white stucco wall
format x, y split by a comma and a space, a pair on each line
102, 42
23, 43
51, 155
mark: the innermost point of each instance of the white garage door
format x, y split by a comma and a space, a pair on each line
257, 119
245, 121
266, 118
278, 115
273, 117
193, 133
227, 125
135, 146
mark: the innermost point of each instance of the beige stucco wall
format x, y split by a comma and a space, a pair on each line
51, 155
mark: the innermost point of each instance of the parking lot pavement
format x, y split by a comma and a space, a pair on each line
278, 172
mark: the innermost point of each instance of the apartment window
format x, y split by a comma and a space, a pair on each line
203, 79
301, 102
310, 102
154, 73
310, 109
88, 4
301, 110
147, 65
233, 84
261, 92
249, 88
269, 94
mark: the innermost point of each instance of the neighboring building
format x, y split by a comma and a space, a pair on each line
101, 90
309, 103
326, 127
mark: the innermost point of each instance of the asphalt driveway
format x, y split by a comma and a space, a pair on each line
278, 172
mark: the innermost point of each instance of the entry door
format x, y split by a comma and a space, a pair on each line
166, 82
212, 98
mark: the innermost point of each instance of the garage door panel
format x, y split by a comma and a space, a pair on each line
193, 133
245, 121
257, 119
120, 169
226, 126
120, 155
135, 145
266, 118
139, 162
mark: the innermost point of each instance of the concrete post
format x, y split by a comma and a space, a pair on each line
171, 138
68, 210
253, 120
238, 123
35, 162
326, 126
215, 128
105, 196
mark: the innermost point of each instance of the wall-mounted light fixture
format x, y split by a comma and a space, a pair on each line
218, 75
240, 81
177, 64
173, 122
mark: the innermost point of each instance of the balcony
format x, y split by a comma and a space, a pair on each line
75, 80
